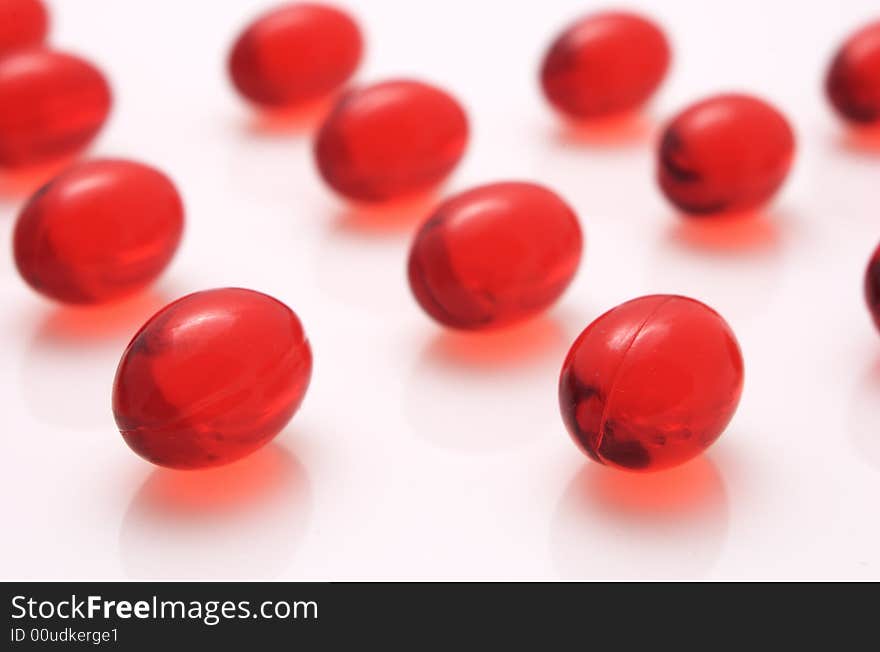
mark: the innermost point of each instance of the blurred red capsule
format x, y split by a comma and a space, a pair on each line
605, 64
295, 53
853, 79
727, 153
23, 23
51, 105
391, 139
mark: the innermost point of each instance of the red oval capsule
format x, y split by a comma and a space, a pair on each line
98, 231
605, 64
23, 23
853, 79
51, 105
725, 153
872, 286
494, 255
295, 53
651, 383
211, 378
391, 139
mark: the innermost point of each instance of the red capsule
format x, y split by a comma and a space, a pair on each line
211, 378
390, 140
872, 286
605, 64
98, 231
651, 383
51, 105
295, 53
494, 255
23, 23
728, 153
853, 80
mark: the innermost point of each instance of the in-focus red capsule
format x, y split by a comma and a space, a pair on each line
494, 255
295, 53
872, 286
651, 383
211, 378
98, 231
51, 105
853, 80
23, 23
728, 153
390, 140
605, 64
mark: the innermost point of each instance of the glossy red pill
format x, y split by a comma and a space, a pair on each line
853, 80
605, 64
211, 378
495, 254
295, 53
651, 383
872, 286
51, 105
390, 140
22, 23
98, 231
728, 153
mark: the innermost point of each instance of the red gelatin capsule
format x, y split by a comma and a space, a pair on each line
51, 105
651, 383
605, 64
22, 23
494, 255
391, 139
853, 80
872, 286
211, 378
295, 53
728, 153
98, 231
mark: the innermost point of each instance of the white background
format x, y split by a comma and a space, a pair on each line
421, 454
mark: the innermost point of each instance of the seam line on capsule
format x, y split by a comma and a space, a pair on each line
617, 372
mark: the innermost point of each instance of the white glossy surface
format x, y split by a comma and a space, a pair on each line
420, 454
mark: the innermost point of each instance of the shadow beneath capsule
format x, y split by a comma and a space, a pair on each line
68, 368
633, 128
865, 417
732, 233
486, 392
861, 140
616, 525
732, 263
240, 521
291, 121
22, 183
393, 217
529, 342
119, 319
363, 257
